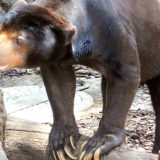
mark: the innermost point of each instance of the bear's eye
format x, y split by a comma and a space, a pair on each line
20, 40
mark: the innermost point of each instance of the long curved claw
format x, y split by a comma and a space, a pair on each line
72, 142
83, 145
82, 155
54, 155
88, 156
69, 153
58, 154
97, 154
61, 155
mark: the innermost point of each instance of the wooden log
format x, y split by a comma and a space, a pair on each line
3, 118
27, 141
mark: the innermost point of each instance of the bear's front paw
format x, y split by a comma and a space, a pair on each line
62, 141
101, 144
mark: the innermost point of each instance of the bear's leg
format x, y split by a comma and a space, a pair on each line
60, 84
154, 88
103, 88
118, 95
3, 119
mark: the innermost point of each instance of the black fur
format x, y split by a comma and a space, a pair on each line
111, 37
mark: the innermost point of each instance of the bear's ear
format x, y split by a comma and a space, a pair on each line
65, 35
19, 2
69, 34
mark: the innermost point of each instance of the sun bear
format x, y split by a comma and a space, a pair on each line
118, 38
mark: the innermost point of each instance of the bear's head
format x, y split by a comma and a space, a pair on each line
31, 35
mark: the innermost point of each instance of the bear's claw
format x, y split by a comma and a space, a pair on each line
54, 155
72, 142
83, 145
69, 153
60, 155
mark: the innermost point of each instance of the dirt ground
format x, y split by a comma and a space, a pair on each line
140, 121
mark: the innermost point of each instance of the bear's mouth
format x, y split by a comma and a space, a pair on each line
4, 67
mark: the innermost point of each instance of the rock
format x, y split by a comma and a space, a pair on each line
3, 119
6, 4
2, 154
